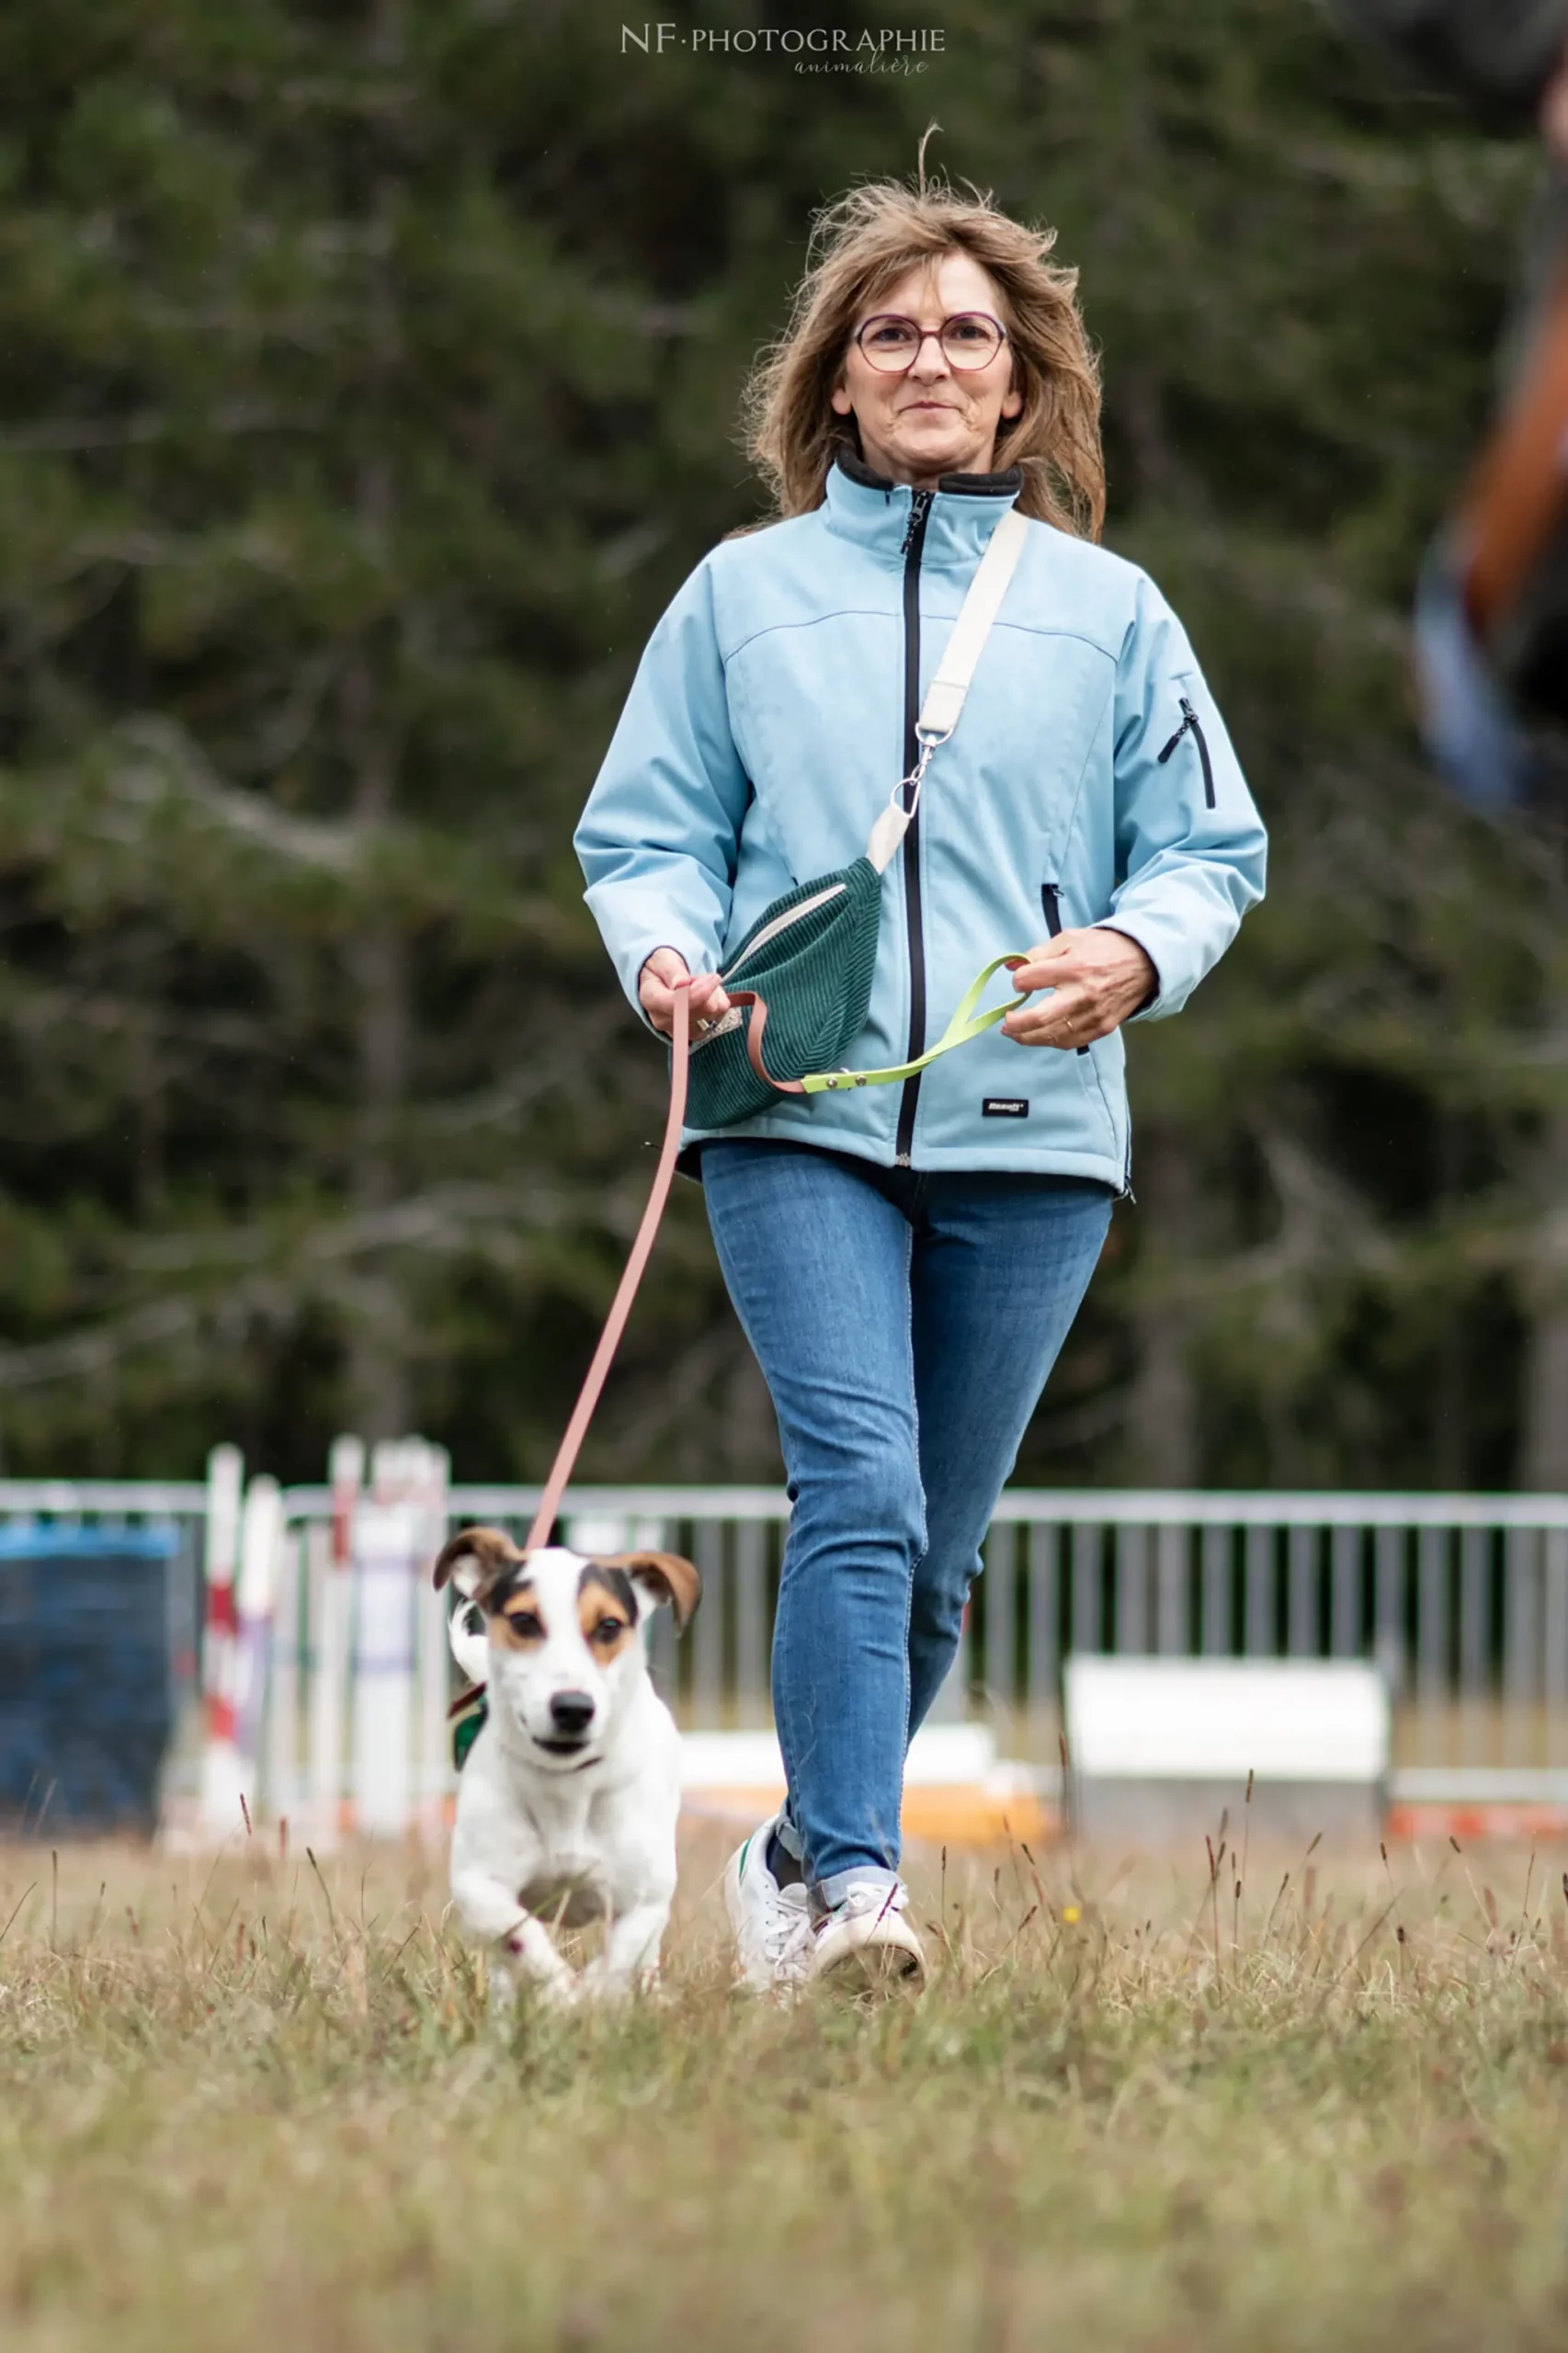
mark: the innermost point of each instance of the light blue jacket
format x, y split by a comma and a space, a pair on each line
1090, 780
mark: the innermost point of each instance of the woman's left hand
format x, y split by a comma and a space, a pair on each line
1097, 977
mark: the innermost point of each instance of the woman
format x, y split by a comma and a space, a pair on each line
906, 1260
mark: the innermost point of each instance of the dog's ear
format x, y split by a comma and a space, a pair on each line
476, 1562
469, 1644
663, 1577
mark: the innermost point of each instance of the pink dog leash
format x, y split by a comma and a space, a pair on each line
620, 1307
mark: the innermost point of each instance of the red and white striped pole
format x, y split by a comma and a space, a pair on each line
222, 1778
345, 1470
256, 1597
435, 1670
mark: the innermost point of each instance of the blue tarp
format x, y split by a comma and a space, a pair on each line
86, 1705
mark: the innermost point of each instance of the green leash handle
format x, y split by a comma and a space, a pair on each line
967, 1023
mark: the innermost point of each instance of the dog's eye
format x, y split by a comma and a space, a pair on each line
525, 1623
609, 1629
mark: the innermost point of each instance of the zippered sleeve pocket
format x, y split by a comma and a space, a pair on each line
1191, 724
1051, 899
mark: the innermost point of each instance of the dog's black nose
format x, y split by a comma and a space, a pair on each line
573, 1712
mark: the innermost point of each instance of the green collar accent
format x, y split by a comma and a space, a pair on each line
468, 1727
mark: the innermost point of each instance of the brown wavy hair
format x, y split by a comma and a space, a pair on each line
860, 245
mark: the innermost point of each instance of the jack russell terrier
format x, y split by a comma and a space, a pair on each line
568, 1799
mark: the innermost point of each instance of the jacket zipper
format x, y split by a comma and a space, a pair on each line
909, 1097
1189, 719
1051, 899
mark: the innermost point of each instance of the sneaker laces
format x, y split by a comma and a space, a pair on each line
787, 1930
863, 1897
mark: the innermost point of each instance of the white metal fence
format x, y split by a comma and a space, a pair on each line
1462, 1600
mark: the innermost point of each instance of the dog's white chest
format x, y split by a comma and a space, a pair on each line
564, 1879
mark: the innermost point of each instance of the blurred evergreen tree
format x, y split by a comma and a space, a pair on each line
366, 388
368, 384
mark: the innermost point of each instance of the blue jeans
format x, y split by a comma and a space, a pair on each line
905, 1324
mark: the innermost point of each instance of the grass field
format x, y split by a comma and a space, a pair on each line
248, 2107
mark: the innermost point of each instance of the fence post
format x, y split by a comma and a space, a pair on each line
1388, 1555
1217, 1593
1521, 1639
1258, 1574
1554, 1645
707, 1637
1475, 1627
751, 1619
1132, 1590
1086, 1631
1001, 1555
1432, 1664
1172, 1595
1045, 1622
1301, 1598
1344, 1601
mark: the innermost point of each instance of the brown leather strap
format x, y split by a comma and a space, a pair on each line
755, 1029
1519, 489
620, 1307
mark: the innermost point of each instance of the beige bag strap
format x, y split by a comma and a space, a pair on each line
943, 706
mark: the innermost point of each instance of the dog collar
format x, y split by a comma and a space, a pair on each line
467, 1716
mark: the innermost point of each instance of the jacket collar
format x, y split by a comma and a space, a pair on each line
865, 506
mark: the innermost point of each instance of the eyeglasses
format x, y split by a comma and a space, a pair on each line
969, 340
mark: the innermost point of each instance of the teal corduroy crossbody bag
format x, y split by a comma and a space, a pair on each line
804, 972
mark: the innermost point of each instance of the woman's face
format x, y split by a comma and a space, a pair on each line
935, 419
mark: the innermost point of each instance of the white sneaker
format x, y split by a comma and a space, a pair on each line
772, 1926
866, 1944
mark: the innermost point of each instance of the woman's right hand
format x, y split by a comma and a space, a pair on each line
656, 992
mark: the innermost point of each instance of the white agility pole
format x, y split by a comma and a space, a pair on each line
331, 1594
319, 1571
387, 1545
261, 1542
280, 1778
222, 1776
434, 1657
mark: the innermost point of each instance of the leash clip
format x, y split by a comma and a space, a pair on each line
916, 777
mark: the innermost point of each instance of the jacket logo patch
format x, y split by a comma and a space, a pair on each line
1005, 1107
